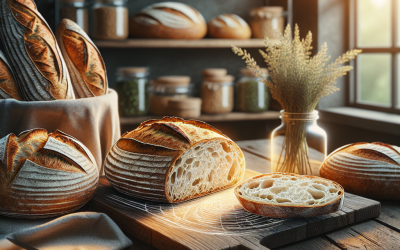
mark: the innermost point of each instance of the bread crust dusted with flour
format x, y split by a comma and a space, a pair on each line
44, 175
85, 64
228, 26
284, 195
368, 169
169, 20
172, 160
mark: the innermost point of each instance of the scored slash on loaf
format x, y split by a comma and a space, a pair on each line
8, 86
33, 53
368, 169
172, 160
44, 175
85, 64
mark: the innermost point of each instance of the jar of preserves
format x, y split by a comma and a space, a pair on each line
167, 88
110, 20
77, 11
217, 94
132, 86
252, 95
265, 20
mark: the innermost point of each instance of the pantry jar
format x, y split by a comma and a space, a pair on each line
167, 88
252, 95
132, 86
265, 20
110, 20
217, 94
77, 11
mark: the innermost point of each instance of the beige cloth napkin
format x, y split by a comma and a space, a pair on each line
94, 121
83, 231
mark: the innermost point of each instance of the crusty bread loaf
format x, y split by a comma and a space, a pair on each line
44, 175
228, 26
368, 169
85, 64
284, 195
8, 86
173, 160
170, 20
32, 50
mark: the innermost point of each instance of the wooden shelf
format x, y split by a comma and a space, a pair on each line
234, 116
182, 43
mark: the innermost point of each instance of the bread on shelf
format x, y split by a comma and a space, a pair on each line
44, 175
33, 53
368, 169
8, 86
228, 26
85, 64
170, 20
172, 160
284, 195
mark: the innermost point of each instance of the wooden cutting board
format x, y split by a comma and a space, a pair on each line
217, 221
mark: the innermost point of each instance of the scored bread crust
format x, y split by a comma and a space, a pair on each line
32, 50
165, 20
8, 86
367, 169
151, 161
274, 209
84, 61
228, 26
44, 175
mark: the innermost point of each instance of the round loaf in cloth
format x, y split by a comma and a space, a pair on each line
169, 20
44, 175
93, 121
368, 169
172, 160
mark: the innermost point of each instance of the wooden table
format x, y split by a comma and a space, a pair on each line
379, 233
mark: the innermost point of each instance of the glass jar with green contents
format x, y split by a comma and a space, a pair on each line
252, 95
132, 85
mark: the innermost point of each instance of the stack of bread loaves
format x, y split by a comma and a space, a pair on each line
36, 61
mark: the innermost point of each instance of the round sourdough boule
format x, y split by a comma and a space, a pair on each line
228, 26
170, 20
172, 160
44, 175
284, 195
368, 169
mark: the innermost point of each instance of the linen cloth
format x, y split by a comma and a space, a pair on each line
93, 121
83, 231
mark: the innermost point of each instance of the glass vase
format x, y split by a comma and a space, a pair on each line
298, 145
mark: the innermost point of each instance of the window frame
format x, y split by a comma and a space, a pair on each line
353, 92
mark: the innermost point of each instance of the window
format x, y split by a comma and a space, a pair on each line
375, 28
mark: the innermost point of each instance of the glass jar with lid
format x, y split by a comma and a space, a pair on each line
110, 20
167, 88
77, 11
217, 94
132, 86
252, 95
265, 20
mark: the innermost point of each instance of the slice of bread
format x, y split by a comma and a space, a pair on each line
173, 160
284, 195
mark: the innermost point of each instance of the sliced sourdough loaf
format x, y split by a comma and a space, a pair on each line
368, 169
44, 175
172, 160
283, 195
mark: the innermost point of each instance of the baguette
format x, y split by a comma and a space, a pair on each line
368, 169
31, 48
44, 175
172, 160
85, 64
283, 195
8, 86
